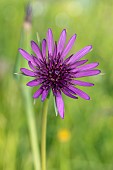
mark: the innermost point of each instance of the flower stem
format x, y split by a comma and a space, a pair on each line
43, 140
32, 127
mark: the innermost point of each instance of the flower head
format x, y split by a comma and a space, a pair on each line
51, 70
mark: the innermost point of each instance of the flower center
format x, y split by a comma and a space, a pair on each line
55, 74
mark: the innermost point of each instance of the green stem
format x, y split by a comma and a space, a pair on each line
43, 141
32, 127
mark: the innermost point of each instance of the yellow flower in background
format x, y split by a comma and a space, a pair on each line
63, 135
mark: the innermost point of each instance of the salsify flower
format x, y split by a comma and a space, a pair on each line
52, 70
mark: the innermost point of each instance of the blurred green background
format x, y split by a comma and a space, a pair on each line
84, 139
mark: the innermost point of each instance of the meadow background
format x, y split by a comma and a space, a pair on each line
84, 139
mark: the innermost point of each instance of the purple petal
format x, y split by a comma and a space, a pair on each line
67, 60
36, 61
34, 82
69, 46
50, 41
69, 90
38, 93
68, 94
61, 42
27, 72
82, 83
60, 104
87, 73
36, 49
31, 66
44, 48
77, 63
25, 54
80, 53
88, 66
55, 51
80, 93
44, 94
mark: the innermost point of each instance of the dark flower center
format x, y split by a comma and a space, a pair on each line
57, 74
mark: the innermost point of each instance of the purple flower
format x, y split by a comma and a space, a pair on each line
52, 70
